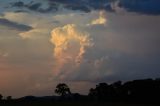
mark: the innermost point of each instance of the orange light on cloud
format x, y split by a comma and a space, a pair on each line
101, 20
69, 45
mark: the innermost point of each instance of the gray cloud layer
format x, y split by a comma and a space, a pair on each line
14, 25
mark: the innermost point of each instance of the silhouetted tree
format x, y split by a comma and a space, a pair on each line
136, 90
117, 86
1, 97
101, 92
9, 98
93, 94
62, 89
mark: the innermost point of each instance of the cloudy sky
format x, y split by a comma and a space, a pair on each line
78, 42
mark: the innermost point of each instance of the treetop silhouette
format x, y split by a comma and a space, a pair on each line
62, 89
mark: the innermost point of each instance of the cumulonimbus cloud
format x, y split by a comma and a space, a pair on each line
70, 45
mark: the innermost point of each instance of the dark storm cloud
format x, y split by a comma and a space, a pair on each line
18, 4
150, 7
140, 6
34, 6
14, 25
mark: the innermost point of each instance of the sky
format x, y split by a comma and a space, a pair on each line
77, 42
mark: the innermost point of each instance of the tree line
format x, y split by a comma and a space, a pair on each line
145, 90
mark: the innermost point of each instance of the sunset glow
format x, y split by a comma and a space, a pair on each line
77, 42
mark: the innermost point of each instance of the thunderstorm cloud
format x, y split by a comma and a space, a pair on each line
78, 42
70, 45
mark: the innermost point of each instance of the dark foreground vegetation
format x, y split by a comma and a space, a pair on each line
144, 92
76, 104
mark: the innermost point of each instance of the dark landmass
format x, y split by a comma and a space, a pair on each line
145, 92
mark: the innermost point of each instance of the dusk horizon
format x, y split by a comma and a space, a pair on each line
77, 42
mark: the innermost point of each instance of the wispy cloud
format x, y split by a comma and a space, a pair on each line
14, 25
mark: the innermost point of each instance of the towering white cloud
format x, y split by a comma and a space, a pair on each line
70, 45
